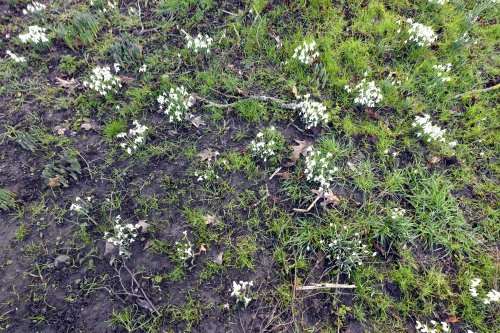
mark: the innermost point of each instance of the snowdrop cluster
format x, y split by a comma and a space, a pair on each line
312, 113
441, 71
80, 205
368, 94
133, 138
427, 130
103, 81
123, 235
344, 251
35, 35
34, 8
184, 249
492, 296
306, 53
103, 6
242, 291
267, 143
209, 174
420, 34
437, 2
434, 327
200, 43
15, 57
143, 68
320, 168
397, 213
176, 104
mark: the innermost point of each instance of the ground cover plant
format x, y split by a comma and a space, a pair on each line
249, 166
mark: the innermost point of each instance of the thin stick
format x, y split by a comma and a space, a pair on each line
274, 173
315, 286
142, 290
310, 206
478, 91
278, 102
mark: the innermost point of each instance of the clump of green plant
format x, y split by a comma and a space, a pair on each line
69, 64
7, 199
267, 145
126, 51
82, 30
60, 171
396, 228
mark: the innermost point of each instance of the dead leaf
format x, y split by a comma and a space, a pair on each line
302, 148
284, 175
60, 130
226, 306
144, 304
207, 154
453, 320
211, 219
295, 91
218, 259
148, 244
380, 249
54, 182
172, 132
434, 160
109, 247
330, 198
67, 84
60, 259
143, 225
126, 79
201, 249
89, 124
196, 121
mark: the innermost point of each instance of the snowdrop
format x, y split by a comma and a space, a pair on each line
368, 94
267, 143
306, 53
176, 104
428, 131
320, 169
103, 81
397, 213
492, 296
434, 327
123, 236
473, 287
34, 8
80, 205
36, 35
312, 113
15, 57
241, 291
184, 249
103, 6
135, 137
441, 70
437, 2
420, 34
200, 43
143, 68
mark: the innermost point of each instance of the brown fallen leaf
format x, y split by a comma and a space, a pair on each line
54, 182
295, 91
284, 175
89, 124
218, 259
330, 198
67, 84
453, 320
60, 130
201, 249
126, 79
380, 249
434, 160
196, 120
207, 154
302, 148
148, 244
211, 219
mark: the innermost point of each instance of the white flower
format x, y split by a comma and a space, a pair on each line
35, 35
241, 291
264, 146
441, 70
438, 2
143, 68
176, 104
427, 129
34, 8
200, 43
492, 296
306, 53
123, 236
312, 112
420, 34
368, 93
15, 57
102, 81
320, 169
135, 136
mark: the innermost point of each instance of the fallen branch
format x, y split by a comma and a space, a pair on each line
478, 91
315, 286
282, 104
